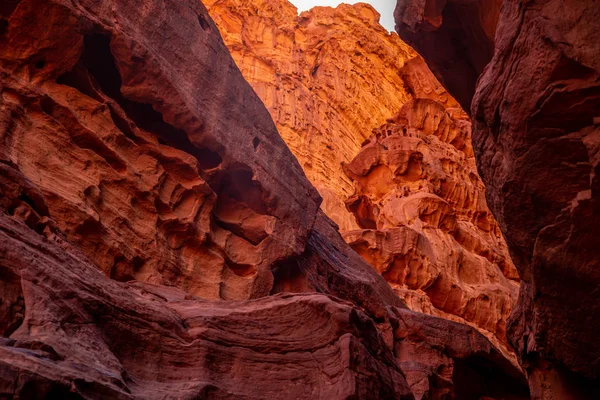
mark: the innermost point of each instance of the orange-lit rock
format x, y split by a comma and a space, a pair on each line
426, 225
328, 77
155, 180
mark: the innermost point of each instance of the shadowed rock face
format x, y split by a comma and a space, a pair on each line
151, 219
536, 139
456, 38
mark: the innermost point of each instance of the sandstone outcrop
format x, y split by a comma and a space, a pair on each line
140, 152
328, 77
151, 218
536, 139
426, 225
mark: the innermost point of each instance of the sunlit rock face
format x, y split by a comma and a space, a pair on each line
426, 226
334, 81
328, 77
536, 138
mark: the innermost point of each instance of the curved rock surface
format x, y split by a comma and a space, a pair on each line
146, 238
536, 138
328, 77
427, 228
156, 181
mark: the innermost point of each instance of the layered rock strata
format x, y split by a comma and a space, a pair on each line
146, 197
536, 139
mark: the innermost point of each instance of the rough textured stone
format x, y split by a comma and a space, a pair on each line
325, 115
328, 77
537, 143
426, 225
76, 333
84, 334
146, 197
154, 179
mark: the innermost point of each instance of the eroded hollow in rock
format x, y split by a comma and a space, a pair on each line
476, 378
97, 70
241, 208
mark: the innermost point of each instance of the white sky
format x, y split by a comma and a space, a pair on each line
385, 8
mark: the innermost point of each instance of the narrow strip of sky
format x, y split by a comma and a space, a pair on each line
384, 7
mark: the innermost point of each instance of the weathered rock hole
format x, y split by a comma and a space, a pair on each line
120, 270
288, 276
45, 389
35, 202
243, 270
12, 304
79, 78
138, 263
255, 143
89, 227
237, 184
40, 64
204, 23
364, 212
241, 207
476, 378
47, 105
415, 168
98, 60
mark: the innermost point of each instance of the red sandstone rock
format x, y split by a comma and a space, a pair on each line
325, 114
142, 182
75, 332
328, 77
84, 334
537, 142
119, 141
426, 225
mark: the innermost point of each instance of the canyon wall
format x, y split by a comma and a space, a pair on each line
328, 77
334, 80
536, 137
159, 240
